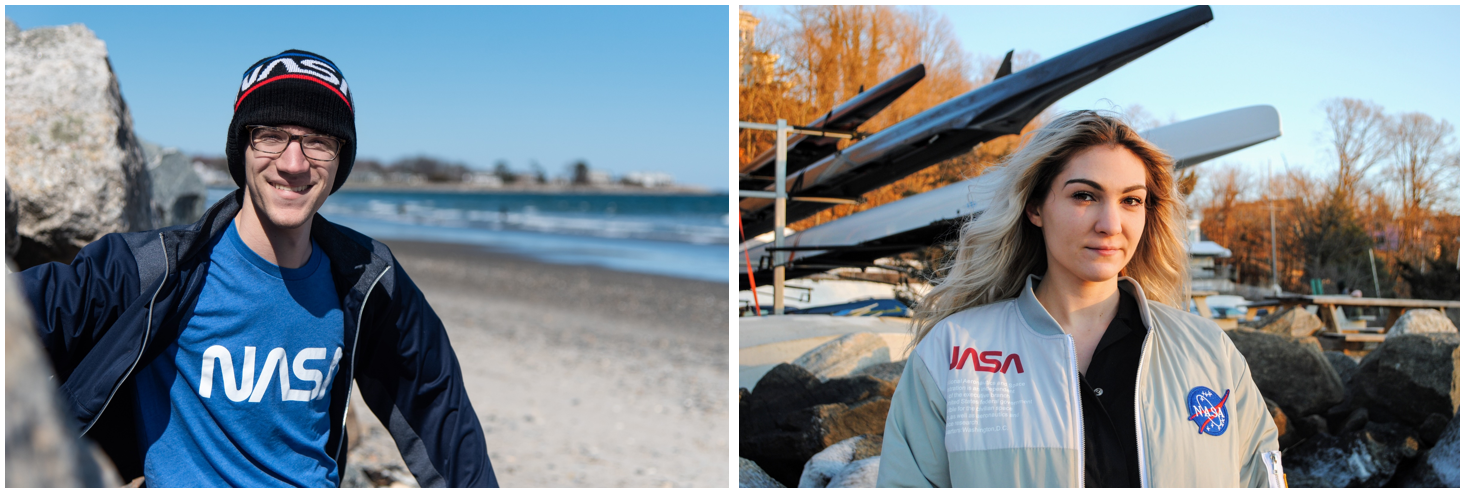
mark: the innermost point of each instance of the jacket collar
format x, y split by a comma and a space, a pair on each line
349, 258
1042, 322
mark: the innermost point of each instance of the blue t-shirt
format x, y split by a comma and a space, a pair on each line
243, 397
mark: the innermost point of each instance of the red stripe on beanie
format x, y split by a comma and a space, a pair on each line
292, 76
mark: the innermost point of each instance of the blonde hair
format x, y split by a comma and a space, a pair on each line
999, 248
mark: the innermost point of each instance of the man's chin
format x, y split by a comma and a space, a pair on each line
286, 220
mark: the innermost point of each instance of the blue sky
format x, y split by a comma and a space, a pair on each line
1293, 58
625, 88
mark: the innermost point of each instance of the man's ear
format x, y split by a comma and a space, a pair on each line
1033, 216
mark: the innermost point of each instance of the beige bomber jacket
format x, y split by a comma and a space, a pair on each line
990, 398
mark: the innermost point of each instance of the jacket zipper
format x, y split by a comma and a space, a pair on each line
352, 376
1074, 375
1140, 431
142, 349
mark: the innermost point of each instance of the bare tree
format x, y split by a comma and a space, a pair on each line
1227, 187
816, 57
1421, 169
1360, 138
1422, 161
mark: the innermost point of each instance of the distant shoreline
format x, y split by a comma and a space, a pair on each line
467, 188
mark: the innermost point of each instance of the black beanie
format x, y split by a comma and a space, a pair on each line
293, 88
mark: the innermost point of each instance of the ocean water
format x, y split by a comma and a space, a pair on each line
673, 235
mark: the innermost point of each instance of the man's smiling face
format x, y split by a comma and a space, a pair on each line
287, 189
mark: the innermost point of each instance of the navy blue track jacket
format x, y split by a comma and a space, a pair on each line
125, 297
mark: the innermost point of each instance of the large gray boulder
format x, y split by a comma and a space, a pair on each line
72, 162
890, 372
1344, 365
1295, 322
1291, 371
842, 465
859, 474
1410, 377
845, 355
1441, 466
791, 416
1366, 458
178, 193
752, 476
1422, 321
41, 451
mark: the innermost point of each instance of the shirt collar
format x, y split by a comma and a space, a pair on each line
1042, 322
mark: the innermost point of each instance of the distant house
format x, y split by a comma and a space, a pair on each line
403, 177
647, 179
598, 177
1206, 275
485, 179
365, 176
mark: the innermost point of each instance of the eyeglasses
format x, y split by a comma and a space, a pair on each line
271, 140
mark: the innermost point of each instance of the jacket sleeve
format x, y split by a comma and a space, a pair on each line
75, 304
914, 450
1257, 424
415, 387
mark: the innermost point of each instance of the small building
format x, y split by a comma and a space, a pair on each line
484, 179
1206, 275
597, 177
648, 179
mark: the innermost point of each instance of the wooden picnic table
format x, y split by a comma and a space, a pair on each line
1199, 297
1253, 306
1394, 306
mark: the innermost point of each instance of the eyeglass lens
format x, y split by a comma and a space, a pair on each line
274, 141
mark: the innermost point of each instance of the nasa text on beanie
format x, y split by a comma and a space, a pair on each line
295, 87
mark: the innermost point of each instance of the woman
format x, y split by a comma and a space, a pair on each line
1057, 351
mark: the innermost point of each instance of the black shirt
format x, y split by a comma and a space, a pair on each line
1107, 393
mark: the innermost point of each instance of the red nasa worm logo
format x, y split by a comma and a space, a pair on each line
987, 361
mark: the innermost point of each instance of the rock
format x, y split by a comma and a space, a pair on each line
355, 477
41, 450
1355, 421
784, 383
1365, 458
1293, 322
844, 355
1312, 424
890, 372
178, 193
1440, 466
12, 237
859, 474
833, 460
1444, 460
1343, 365
1409, 377
751, 476
1432, 428
791, 416
1287, 435
1422, 321
1290, 371
72, 162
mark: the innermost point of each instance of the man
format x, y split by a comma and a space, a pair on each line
222, 353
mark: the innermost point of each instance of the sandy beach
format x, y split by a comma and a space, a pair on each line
581, 376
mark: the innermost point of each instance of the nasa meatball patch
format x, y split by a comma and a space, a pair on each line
1208, 410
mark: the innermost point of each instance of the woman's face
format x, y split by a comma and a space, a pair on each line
1094, 214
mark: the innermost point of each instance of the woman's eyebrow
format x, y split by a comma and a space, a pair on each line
1097, 186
